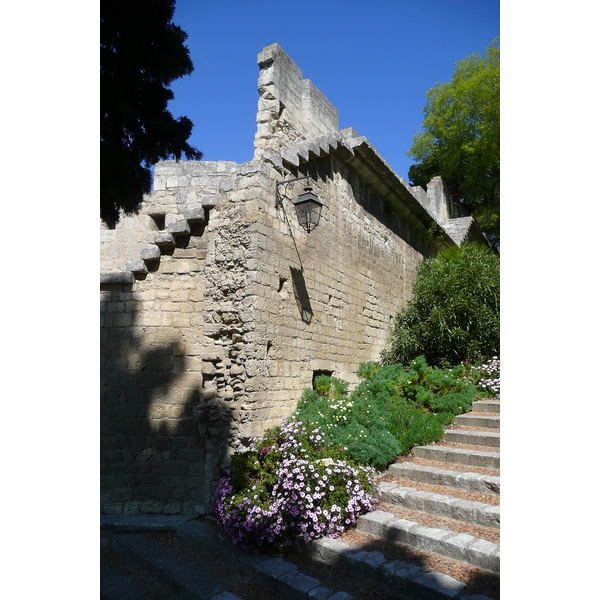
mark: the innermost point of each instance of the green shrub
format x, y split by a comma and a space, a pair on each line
330, 386
368, 369
454, 315
412, 426
440, 390
392, 409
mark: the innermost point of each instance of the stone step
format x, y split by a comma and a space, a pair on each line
185, 581
478, 420
142, 523
463, 480
476, 438
276, 574
462, 456
393, 576
115, 586
458, 546
441, 505
489, 406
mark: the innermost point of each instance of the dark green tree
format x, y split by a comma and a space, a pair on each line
460, 139
454, 315
141, 53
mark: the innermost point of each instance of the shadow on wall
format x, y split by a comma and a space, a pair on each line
301, 295
161, 448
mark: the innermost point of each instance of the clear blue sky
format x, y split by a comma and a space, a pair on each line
374, 60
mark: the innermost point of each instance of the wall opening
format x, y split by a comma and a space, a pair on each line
318, 373
159, 220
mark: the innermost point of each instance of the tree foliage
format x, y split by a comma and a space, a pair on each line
141, 53
460, 139
454, 315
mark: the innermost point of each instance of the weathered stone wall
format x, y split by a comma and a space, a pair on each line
217, 309
325, 303
152, 458
178, 187
173, 342
290, 108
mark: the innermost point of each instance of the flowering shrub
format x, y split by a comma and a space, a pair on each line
291, 486
487, 377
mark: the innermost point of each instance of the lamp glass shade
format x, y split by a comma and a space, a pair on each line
308, 209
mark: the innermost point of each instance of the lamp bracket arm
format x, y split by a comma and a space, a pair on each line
286, 182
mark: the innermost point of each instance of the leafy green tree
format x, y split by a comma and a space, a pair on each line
141, 53
454, 315
460, 139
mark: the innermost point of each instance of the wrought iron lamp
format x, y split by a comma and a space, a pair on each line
308, 206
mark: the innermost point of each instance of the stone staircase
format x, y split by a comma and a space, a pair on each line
435, 535
436, 530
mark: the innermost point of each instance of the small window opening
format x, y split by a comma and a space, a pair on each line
320, 372
159, 220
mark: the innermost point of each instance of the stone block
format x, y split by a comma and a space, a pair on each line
457, 545
136, 266
397, 571
320, 593
295, 585
399, 530
445, 585
170, 467
210, 201
465, 510
195, 215
269, 571
484, 554
375, 523
416, 500
172, 508
492, 516
365, 562
179, 228
116, 277
437, 504
327, 550
164, 238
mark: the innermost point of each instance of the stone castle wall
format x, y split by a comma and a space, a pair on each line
290, 108
217, 309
